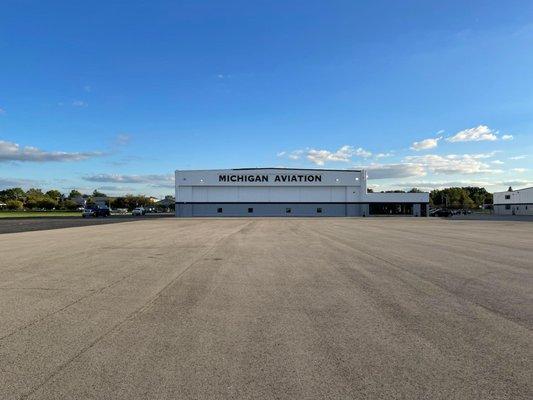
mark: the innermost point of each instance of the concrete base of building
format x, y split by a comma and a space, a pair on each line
282, 210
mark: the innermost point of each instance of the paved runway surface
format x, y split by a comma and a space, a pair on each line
12, 225
375, 308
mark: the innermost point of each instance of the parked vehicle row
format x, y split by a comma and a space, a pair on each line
104, 211
446, 212
96, 211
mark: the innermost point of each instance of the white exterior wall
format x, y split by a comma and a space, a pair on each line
334, 186
282, 191
520, 202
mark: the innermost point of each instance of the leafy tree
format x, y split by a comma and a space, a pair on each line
14, 205
69, 205
74, 193
54, 194
130, 202
34, 192
12, 194
415, 190
96, 193
46, 202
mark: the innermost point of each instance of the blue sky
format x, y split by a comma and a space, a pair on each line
117, 95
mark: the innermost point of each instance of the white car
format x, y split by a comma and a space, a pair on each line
138, 211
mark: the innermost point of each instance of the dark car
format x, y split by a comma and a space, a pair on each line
443, 212
96, 211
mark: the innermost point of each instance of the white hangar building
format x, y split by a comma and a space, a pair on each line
514, 202
287, 192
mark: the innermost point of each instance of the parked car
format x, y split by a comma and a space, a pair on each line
96, 211
138, 211
441, 212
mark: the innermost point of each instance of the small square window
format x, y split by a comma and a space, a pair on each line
219, 210
507, 206
250, 210
507, 196
288, 210
319, 210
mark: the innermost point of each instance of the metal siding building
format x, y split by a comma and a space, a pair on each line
514, 202
283, 192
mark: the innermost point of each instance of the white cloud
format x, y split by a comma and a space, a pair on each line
79, 103
452, 163
426, 144
517, 157
507, 137
15, 182
154, 180
122, 139
497, 162
2, 111
344, 154
295, 155
386, 171
477, 134
384, 155
10, 151
519, 170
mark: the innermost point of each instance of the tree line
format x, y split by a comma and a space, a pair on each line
468, 197
17, 199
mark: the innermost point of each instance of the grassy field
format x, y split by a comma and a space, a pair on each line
37, 214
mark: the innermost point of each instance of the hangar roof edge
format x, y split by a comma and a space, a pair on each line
274, 168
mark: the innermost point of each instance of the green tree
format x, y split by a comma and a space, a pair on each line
54, 194
69, 205
14, 205
46, 202
12, 194
74, 193
96, 193
34, 192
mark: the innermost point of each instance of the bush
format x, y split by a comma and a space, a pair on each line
14, 205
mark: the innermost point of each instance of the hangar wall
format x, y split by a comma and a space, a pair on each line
282, 192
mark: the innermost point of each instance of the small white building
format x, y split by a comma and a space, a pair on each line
288, 192
514, 202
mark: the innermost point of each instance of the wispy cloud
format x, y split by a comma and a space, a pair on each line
87, 88
453, 163
15, 182
497, 162
321, 157
426, 144
154, 180
519, 170
79, 103
10, 151
384, 155
344, 154
507, 137
477, 134
122, 139
518, 157
2, 111
400, 170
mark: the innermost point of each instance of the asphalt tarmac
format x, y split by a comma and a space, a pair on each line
363, 308
25, 224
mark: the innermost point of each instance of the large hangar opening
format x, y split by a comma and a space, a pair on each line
286, 192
